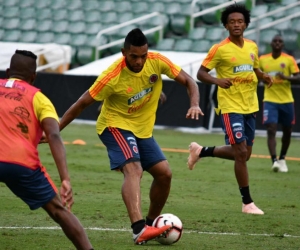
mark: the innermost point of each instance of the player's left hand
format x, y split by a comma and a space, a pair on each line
162, 98
268, 80
281, 76
194, 112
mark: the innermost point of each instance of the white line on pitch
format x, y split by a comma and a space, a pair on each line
128, 230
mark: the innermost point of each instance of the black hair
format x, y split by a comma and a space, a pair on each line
240, 8
26, 53
135, 38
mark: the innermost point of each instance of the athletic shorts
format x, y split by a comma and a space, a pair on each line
34, 187
279, 113
124, 147
238, 127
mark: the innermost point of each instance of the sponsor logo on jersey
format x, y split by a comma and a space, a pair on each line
139, 95
243, 68
237, 124
237, 129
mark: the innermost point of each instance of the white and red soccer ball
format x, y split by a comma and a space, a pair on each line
175, 233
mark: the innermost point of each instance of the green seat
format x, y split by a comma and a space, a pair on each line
62, 38
109, 18
157, 7
43, 14
76, 27
44, 25
259, 10
211, 17
123, 7
165, 44
296, 24
74, 5
85, 55
60, 14
28, 24
12, 36
27, 13
28, 37
42, 4
76, 15
293, 10
197, 33
78, 40
279, 14
291, 40
90, 5
215, 34
1, 34
45, 37
267, 35
60, 26
58, 4
172, 9
287, 2
93, 16
139, 7
260, 22
106, 6
125, 16
283, 25
10, 12
10, 3
26, 3
93, 28
201, 46
11, 23
183, 45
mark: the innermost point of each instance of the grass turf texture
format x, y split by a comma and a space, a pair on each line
207, 199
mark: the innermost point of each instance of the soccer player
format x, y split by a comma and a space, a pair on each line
24, 114
130, 89
278, 100
236, 62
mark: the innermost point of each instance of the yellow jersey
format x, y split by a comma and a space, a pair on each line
130, 99
231, 61
280, 92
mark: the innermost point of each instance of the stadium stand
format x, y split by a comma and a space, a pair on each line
77, 22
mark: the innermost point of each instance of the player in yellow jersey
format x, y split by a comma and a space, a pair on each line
278, 100
130, 90
24, 114
236, 62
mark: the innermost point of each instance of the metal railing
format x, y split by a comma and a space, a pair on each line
159, 28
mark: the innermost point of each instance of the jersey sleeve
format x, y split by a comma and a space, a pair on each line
168, 68
101, 88
256, 58
213, 57
43, 107
293, 66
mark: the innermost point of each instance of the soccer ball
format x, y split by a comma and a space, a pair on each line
174, 234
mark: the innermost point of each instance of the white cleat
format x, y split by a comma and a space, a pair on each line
195, 150
282, 166
276, 166
251, 209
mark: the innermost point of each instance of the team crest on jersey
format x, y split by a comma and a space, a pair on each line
282, 65
252, 56
135, 149
153, 78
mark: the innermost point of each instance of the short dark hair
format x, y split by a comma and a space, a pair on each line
240, 8
135, 38
26, 53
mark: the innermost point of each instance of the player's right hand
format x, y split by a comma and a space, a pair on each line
224, 83
43, 139
66, 194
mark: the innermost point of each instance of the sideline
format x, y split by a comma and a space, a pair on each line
129, 230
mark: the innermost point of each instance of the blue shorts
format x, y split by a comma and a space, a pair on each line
123, 147
279, 113
238, 127
34, 187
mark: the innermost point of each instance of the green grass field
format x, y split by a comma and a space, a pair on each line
207, 199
